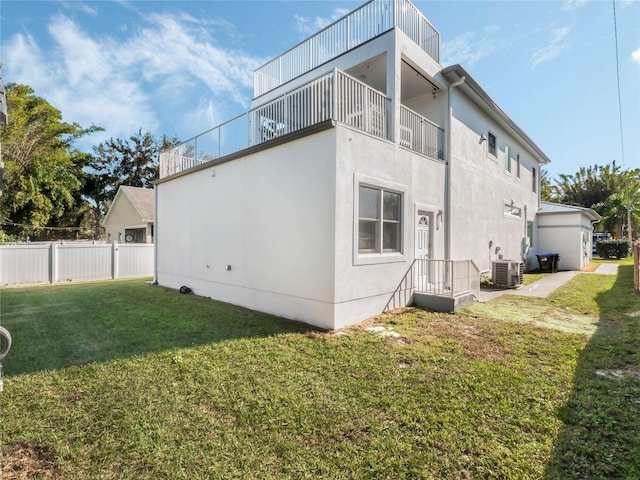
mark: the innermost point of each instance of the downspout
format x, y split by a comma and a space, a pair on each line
155, 234
447, 173
525, 244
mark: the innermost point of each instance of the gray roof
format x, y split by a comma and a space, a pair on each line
548, 207
141, 199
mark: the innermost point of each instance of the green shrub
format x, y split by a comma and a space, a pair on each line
5, 238
613, 248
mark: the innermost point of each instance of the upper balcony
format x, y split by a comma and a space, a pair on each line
335, 96
363, 24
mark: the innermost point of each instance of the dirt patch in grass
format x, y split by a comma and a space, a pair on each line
217, 414
25, 460
474, 342
592, 267
74, 397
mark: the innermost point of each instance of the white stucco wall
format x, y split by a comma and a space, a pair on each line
364, 283
269, 216
284, 220
567, 234
480, 187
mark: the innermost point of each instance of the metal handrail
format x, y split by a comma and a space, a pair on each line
446, 278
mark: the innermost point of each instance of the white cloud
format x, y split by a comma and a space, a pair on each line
308, 26
170, 66
571, 5
556, 46
470, 47
635, 56
81, 7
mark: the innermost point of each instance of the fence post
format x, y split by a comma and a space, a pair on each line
114, 260
53, 263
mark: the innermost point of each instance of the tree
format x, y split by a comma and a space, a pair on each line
96, 194
546, 192
132, 161
42, 169
620, 211
587, 187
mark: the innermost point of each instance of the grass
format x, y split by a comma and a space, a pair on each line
123, 379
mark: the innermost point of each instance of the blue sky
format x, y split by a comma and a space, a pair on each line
181, 67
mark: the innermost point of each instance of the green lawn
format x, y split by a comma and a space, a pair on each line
122, 379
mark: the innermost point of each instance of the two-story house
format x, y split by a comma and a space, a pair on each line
365, 176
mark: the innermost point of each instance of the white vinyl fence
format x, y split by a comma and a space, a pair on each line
52, 263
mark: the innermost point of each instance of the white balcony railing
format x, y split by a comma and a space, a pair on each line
420, 134
334, 96
363, 24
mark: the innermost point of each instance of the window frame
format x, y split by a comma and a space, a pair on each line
379, 254
492, 146
507, 160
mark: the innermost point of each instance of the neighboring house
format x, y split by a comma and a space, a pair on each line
131, 215
567, 231
365, 176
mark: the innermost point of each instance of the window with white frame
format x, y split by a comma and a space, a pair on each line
379, 220
518, 165
534, 180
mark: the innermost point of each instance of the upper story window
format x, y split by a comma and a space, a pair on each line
507, 159
491, 144
534, 180
379, 220
518, 165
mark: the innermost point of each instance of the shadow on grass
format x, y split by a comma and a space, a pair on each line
60, 326
600, 436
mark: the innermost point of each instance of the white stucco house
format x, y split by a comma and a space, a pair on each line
130, 217
365, 176
566, 230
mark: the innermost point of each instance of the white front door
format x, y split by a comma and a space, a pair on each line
423, 250
423, 235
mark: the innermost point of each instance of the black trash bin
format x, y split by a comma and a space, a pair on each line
548, 262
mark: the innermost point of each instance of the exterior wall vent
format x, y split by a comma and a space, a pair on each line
507, 273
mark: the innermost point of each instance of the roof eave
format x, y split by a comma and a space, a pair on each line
482, 98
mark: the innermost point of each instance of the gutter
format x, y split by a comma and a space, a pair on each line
485, 102
447, 173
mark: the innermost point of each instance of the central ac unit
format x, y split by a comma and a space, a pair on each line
507, 273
